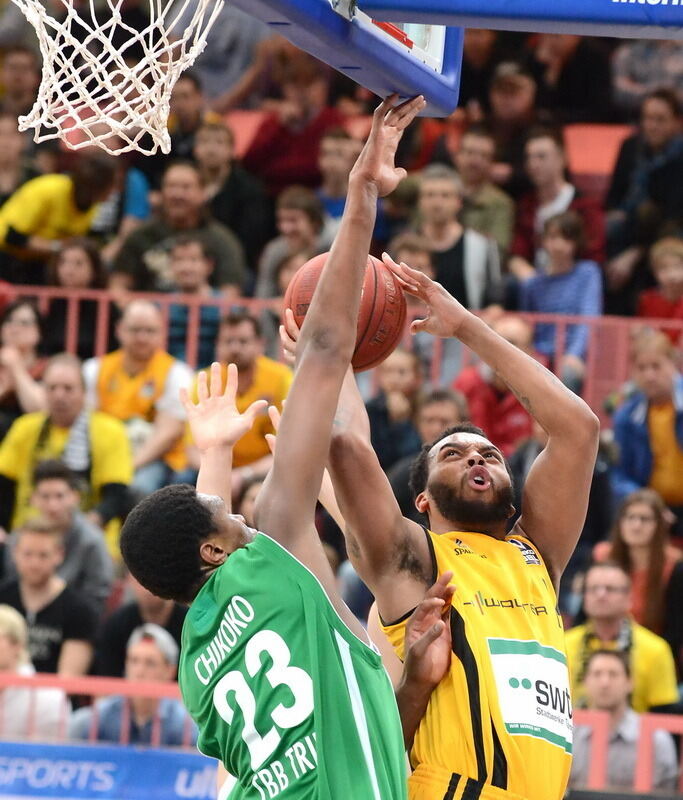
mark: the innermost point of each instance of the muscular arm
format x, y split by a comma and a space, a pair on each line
556, 491
286, 504
389, 552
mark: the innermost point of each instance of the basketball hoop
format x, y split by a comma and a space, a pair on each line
92, 89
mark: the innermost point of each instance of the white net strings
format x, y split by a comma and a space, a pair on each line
98, 93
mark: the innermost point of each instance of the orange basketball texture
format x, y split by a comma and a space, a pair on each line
382, 314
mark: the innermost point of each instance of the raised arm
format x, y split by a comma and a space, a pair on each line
390, 553
286, 504
556, 491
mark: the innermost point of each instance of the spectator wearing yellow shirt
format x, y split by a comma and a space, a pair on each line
140, 385
45, 211
240, 342
92, 444
607, 602
648, 428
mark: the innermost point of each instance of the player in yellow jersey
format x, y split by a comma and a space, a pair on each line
499, 724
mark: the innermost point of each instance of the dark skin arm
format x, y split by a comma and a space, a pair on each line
554, 509
286, 504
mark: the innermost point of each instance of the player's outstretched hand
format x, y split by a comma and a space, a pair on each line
289, 336
376, 161
444, 313
428, 635
214, 419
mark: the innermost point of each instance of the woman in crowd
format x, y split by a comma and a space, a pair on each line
640, 544
77, 266
21, 366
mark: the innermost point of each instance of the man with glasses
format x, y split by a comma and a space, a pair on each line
609, 626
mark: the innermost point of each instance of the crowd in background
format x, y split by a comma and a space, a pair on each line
489, 209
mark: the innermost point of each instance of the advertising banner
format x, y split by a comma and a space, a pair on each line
72, 772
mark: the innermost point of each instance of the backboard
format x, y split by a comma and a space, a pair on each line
645, 19
407, 59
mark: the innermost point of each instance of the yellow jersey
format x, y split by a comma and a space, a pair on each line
44, 207
25, 446
130, 397
271, 382
499, 725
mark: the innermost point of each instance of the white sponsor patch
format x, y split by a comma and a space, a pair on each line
533, 690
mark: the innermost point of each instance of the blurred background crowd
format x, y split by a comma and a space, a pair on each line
263, 140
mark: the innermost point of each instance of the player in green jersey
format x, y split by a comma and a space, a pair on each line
280, 677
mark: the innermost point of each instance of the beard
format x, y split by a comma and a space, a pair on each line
474, 513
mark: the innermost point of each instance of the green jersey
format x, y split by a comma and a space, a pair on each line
284, 694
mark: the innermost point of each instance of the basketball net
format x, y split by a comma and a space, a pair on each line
94, 92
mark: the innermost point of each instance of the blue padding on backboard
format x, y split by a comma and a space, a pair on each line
366, 56
646, 19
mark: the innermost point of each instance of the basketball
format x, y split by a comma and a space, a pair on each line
382, 314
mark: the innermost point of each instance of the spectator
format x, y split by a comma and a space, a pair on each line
117, 628
191, 267
140, 384
512, 96
77, 266
657, 143
300, 220
187, 114
493, 407
93, 445
151, 656
61, 625
552, 194
485, 207
639, 543
666, 300
143, 261
609, 626
337, 154
437, 411
573, 77
608, 686
567, 286
481, 53
240, 342
125, 209
467, 263
45, 211
25, 712
235, 197
14, 169
640, 67
229, 51
285, 148
648, 428
21, 366
19, 78
392, 410
86, 567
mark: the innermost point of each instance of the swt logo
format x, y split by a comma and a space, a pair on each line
555, 698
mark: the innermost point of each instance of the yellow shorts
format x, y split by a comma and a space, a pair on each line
435, 783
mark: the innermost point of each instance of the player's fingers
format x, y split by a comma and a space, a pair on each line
430, 635
256, 408
384, 107
202, 388
291, 325
231, 382
439, 586
270, 441
407, 111
414, 275
400, 173
418, 325
275, 416
215, 379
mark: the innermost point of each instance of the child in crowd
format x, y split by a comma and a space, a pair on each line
666, 300
568, 286
191, 265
